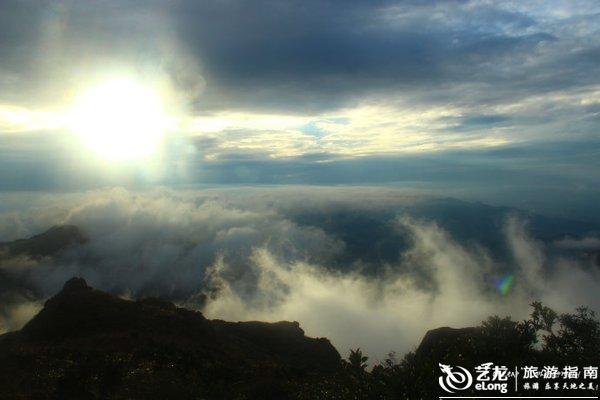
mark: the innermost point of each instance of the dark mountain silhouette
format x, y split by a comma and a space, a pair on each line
48, 243
87, 344
83, 341
16, 284
437, 340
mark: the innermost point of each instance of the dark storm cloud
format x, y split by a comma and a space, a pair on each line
317, 53
302, 55
314, 55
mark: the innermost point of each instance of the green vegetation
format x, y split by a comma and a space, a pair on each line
546, 338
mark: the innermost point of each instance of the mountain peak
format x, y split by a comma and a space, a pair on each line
46, 244
86, 320
75, 284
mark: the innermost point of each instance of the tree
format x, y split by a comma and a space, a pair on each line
357, 360
577, 337
542, 317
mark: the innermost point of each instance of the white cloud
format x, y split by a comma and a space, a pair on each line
18, 315
241, 248
585, 243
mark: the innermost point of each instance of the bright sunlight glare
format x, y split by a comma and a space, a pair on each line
119, 119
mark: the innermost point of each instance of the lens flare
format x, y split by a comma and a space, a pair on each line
505, 284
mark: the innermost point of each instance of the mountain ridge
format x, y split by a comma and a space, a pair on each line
82, 330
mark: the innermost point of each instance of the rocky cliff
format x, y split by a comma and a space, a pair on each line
88, 344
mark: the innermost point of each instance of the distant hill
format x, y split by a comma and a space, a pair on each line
372, 235
48, 243
16, 284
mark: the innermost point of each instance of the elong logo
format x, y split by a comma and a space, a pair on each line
457, 379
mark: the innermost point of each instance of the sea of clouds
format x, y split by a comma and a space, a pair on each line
300, 253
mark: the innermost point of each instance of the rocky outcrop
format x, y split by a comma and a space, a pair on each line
79, 314
441, 340
82, 330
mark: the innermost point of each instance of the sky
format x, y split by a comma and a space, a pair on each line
480, 96
285, 156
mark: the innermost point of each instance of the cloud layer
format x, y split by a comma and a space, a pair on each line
365, 267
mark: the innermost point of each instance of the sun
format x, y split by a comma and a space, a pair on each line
119, 119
